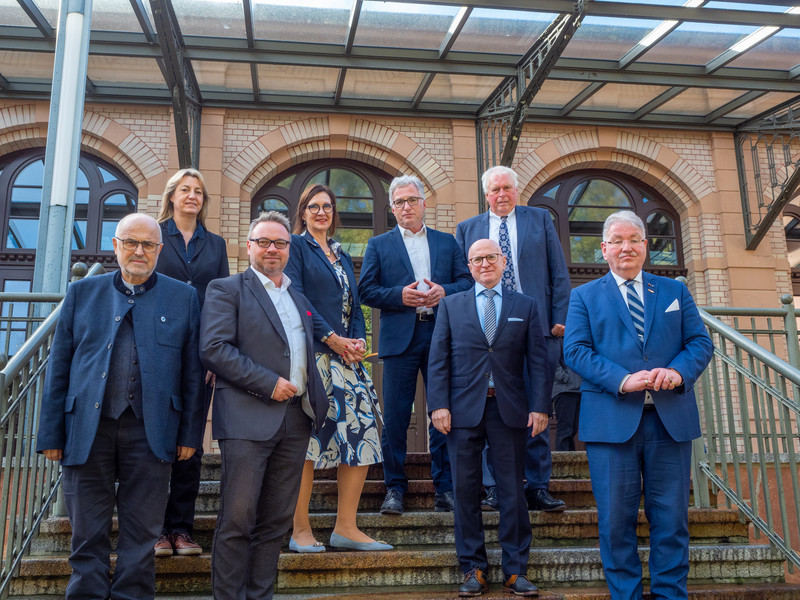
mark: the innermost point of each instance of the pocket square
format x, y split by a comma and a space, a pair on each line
673, 306
515, 319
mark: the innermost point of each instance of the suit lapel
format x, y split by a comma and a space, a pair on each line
198, 244
305, 317
180, 252
315, 247
650, 301
433, 249
400, 248
252, 282
522, 229
505, 310
609, 285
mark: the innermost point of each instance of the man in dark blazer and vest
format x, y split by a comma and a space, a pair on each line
487, 341
639, 344
257, 337
120, 404
405, 273
535, 267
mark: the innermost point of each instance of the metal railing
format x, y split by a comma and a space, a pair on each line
29, 481
749, 401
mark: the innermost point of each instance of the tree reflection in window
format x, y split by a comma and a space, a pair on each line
590, 203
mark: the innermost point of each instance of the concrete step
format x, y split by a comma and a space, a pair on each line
376, 572
566, 465
424, 529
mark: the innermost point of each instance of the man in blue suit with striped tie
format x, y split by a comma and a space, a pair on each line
639, 344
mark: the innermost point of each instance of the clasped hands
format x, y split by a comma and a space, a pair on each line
417, 298
349, 349
658, 379
441, 421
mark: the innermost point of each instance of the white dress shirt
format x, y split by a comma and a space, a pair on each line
494, 235
420, 256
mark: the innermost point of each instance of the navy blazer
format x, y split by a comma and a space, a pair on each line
386, 270
540, 260
602, 345
243, 341
210, 260
312, 275
461, 359
166, 324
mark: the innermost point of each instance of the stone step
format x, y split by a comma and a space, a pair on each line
419, 530
566, 465
372, 573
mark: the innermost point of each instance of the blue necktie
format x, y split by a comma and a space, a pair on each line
489, 316
636, 308
509, 282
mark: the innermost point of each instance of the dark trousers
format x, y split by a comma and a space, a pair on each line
120, 453
258, 492
538, 461
651, 462
506, 450
399, 387
184, 485
568, 406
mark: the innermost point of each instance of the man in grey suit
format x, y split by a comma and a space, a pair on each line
256, 335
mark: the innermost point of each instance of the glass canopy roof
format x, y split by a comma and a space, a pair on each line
686, 63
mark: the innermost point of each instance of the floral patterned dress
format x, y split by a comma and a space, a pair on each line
349, 434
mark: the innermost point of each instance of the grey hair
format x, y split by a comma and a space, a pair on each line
135, 217
404, 180
499, 170
626, 217
271, 216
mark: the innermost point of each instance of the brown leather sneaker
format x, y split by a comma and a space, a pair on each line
163, 546
184, 545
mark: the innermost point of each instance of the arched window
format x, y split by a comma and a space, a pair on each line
580, 203
361, 199
103, 196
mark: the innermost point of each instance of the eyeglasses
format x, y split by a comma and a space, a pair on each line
315, 208
132, 245
494, 191
620, 243
477, 261
412, 201
266, 243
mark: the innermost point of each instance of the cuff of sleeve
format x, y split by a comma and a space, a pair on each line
622, 383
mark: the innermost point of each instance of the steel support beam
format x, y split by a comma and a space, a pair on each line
769, 175
179, 76
35, 15
733, 105
249, 27
63, 149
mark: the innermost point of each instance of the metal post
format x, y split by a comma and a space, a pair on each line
790, 323
63, 147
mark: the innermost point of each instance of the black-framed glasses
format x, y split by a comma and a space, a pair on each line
315, 208
132, 245
477, 261
412, 201
266, 243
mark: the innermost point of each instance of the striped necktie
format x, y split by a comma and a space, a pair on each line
489, 316
636, 308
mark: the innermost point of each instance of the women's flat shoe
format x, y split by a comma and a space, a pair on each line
315, 547
339, 542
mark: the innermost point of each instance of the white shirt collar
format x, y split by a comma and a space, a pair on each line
408, 233
621, 280
511, 216
268, 283
498, 288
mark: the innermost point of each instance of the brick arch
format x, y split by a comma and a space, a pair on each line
313, 139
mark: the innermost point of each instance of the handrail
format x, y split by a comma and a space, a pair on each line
29, 481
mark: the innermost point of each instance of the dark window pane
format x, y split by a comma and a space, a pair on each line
287, 183
585, 249
354, 205
119, 204
662, 251
33, 174
107, 175
593, 215
354, 241
319, 178
79, 235
599, 192
82, 181
81, 197
25, 195
107, 232
347, 184
551, 193
22, 233
659, 224
273, 204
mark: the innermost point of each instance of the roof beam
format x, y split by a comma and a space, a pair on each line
352, 26
579, 99
337, 94
249, 28
35, 15
4, 83
144, 22
733, 105
659, 100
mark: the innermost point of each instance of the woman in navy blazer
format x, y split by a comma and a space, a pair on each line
321, 270
195, 256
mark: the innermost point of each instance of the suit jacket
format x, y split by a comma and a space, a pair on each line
210, 260
461, 359
540, 260
165, 324
312, 275
602, 345
386, 270
243, 341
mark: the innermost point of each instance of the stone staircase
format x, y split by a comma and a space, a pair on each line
564, 561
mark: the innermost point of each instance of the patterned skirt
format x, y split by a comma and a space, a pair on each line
349, 435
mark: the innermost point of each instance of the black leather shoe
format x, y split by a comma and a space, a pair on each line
474, 584
490, 501
444, 502
392, 503
520, 586
542, 500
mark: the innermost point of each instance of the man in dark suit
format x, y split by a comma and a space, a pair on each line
536, 268
487, 341
256, 336
121, 402
405, 273
639, 344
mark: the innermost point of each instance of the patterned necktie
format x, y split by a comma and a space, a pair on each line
637, 309
509, 282
489, 316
